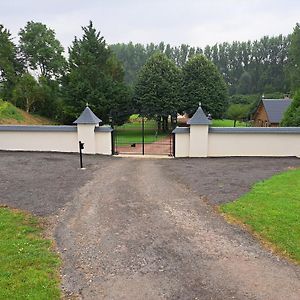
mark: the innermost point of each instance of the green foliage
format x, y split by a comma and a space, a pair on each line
8, 111
95, 76
292, 115
10, 65
245, 84
237, 112
264, 60
272, 210
28, 267
41, 50
50, 103
157, 90
26, 92
201, 82
133, 58
294, 58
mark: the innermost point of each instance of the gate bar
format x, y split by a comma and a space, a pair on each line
143, 135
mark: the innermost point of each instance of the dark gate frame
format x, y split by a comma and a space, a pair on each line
115, 142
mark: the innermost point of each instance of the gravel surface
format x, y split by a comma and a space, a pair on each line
223, 180
137, 229
42, 183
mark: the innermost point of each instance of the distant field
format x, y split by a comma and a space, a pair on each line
227, 123
11, 115
130, 133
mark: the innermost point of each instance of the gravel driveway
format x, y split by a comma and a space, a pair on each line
145, 229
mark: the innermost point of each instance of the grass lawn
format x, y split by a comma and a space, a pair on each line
272, 210
226, 123
132, 133
28, 267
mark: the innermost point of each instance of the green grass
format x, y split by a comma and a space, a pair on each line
132, 133
8, 111
226, 123
272, 210
28, 267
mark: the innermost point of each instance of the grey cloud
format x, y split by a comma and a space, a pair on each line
194, 22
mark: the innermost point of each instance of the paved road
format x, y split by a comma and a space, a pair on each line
133, 232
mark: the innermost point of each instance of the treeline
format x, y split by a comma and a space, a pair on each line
36, 75
247, 67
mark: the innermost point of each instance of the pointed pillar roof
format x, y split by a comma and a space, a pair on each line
87, 117
199, 118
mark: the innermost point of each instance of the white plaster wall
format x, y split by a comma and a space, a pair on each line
182, 144
253, 144
103, 143
198, 140
39, 141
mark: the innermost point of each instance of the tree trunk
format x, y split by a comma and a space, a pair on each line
27, 105
234, 123
173, 121
165, 124
159, 124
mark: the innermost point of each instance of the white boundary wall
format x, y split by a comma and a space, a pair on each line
202, 141
97, 140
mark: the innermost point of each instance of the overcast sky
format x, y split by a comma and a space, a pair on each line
196, 23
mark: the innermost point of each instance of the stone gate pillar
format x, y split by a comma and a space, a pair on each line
199, 125
86, 124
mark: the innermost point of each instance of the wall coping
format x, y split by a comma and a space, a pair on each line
181, 130
262, 130
49, 128
256, 130
38, 128
103, 129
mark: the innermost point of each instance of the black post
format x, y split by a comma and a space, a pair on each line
113, 142
143, 135
173, 140
81, 146
113, 152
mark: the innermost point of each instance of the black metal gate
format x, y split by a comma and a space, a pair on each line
141, 137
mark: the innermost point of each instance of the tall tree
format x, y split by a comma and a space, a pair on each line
95, 76
294, 58
202, 82
157, 90
10, 65
41, 51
